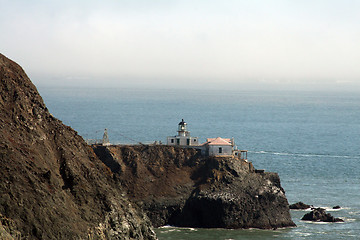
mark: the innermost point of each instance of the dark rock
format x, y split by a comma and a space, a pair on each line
320, 215
177, 186
299, 205
337, 207
52, 185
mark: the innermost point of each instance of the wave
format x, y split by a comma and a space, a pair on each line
166, 226
349, 219
173, 228
354, 212
304, 154
328, 209
321, 223
331, 209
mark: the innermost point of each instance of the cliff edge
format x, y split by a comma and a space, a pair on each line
52, 185
179, 187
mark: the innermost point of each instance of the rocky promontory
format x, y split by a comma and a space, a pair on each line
177, 186
52, 185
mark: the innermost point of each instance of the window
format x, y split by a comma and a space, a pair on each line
195, 140
172, 140
178, 141
188, 141
220, 149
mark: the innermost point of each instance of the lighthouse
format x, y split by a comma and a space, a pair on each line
183, 138
182, 129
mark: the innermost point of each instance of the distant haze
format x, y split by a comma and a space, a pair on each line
203, 43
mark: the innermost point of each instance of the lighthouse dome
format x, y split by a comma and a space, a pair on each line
182, 122
182, 127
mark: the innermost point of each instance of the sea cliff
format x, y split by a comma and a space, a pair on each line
177, 186
52, 185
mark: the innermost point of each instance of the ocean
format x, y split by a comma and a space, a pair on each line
311, 139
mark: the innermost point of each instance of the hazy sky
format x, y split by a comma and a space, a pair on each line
233, 43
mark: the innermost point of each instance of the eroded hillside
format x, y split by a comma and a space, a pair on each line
52, 185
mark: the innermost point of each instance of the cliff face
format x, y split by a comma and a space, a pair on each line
178, 187
52, 185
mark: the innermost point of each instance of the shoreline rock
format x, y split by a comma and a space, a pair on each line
300, 205
320, 215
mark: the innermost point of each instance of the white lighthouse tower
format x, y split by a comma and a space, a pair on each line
183, 138
182, 129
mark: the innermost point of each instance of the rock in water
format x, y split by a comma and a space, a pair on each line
299, 205
177, 186
52, 185
320, 215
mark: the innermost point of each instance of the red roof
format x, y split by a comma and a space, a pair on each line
218, 141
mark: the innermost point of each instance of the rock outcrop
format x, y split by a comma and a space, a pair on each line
179, 187
300, 205
320, 215
52, 185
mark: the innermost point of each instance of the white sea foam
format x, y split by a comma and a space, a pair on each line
328, 209
166, 226
354, 213
303, 234
173, 228
192, 229
313, 222
304, 154
349, 219
301, 210
320, 222
332, 210
345, 208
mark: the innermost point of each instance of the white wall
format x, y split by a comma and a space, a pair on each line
214, 150
194, 141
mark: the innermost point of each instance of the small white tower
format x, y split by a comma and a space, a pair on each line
105, 140
183, 138
182, 129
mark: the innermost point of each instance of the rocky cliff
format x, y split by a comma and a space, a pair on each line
179, 187
52, 185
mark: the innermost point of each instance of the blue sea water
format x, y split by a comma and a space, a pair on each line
311, 139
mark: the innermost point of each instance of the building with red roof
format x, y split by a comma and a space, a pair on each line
218, 147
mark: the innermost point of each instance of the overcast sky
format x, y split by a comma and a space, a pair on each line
234, 43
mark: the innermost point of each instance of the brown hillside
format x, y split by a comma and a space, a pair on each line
52, 185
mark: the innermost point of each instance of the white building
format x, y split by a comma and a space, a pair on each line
183, 138
218, 147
